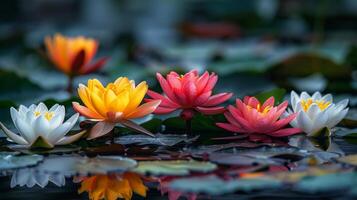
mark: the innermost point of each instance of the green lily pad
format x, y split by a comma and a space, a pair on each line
214, 185
72, 165
159, 139
327, 183
174, 167
10, 161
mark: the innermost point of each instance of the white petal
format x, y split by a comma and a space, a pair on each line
313, 111
294, 98
55, 122
304, 122
327, 97
32, 107
14, 137
316, 96
13, 113
333, 121
23, 109
304, 95
320, 122
41, 126
72, 120
62, 130
343, 103
41, 179
60, 111
25, 130
41, 108
70, 139
57, 179
53, 108
30, 117
59, 132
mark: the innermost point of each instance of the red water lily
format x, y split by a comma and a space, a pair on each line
190, 92
252, 118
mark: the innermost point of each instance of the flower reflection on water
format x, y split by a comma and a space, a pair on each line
112, 187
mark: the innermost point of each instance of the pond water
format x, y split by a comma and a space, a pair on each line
175, 167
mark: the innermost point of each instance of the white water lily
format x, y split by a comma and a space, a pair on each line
316, 112
31, 177
39, 126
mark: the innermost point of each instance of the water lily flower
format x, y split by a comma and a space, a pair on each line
258, 120
118, 102
73, 56
112, 187
31, 177
316, 112
41, 127
190, 93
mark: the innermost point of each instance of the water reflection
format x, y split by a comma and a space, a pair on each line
112, 187
31, 177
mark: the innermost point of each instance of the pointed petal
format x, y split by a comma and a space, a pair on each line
143, 110
100, 129
164, 110
84, 111
136, 127
269, 102
14, 137
166, 102
166, 87
70, 139
217, 99
210, 110
285, 132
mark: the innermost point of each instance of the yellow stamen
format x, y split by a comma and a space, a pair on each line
259, 109
305, 104
47, 115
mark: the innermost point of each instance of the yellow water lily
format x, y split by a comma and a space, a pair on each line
117, 102
112, 187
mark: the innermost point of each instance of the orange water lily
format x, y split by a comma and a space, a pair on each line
112, 187
73, 55
117, 102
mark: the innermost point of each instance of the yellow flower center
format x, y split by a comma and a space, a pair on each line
260, 110
47, 115
305, 104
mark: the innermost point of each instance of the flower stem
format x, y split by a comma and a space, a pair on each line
70, 84
188, 127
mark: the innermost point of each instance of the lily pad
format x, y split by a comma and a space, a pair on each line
327, 183
175, 167
350, 159
236, 159
10, 161
72, 165
159, 139
214, 185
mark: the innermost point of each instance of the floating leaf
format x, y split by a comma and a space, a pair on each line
327, 183
236, 159
159, 139
214, 185
12, 161
176, 167
71, 165
350, 159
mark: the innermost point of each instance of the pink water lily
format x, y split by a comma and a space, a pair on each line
189, 92
252, 118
